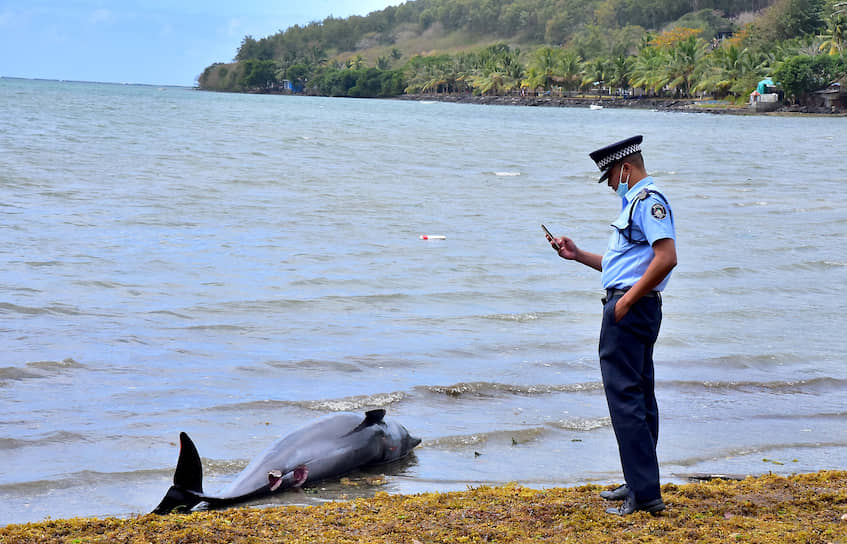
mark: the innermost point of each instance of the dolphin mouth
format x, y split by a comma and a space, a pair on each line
274, 479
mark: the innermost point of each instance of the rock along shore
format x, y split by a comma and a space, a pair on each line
649, 103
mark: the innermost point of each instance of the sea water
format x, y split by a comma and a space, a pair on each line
234, 265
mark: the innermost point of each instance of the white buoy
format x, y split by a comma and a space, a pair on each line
433, 237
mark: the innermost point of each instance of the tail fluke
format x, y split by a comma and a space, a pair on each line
187, 490
189, 469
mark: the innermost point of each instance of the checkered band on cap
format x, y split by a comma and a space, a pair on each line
618, 155
607, 156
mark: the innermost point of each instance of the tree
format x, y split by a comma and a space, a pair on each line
647, 69
787, 19
731, 70
683, 64
619, 72
571, 70
298, 74
258, 74
803, 74
835, 38
356, 62
595, 73
544, 66
495, 69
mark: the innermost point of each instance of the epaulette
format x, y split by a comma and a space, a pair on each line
640, 197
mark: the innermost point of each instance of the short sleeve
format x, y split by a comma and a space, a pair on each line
655, 219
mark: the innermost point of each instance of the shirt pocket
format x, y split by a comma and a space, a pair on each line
617, 241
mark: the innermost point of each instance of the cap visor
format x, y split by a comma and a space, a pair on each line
605, 175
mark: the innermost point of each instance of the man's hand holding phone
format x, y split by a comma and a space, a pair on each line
550, 238
564, 246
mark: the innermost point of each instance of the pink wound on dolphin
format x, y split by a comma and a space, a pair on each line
300, 475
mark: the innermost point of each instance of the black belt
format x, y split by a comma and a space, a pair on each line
612, 293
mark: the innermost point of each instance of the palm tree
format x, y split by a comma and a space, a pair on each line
544, 66
731, 70
834, 41
571, 70
647, 70
495, 69
620, 69
595, 73
430, 74
683, 64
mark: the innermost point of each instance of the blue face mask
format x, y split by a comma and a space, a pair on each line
623, 187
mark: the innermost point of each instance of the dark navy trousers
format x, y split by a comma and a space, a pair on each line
626, 363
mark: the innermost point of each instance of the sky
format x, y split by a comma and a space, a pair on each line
153, 42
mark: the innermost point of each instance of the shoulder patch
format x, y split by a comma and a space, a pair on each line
659, 211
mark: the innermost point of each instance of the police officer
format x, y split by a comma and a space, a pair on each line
634, 271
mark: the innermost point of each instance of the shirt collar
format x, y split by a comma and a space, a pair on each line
635, 189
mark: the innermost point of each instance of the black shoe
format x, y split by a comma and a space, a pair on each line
630, 505
617, 494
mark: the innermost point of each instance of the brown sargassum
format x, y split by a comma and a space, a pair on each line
807, 508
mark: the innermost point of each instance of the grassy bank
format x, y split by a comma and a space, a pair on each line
808, 508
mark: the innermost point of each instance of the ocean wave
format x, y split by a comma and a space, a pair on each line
52, 309
838, 416
582, 424
57, 437
746, 451
38, 369
822, 265
353, 404
504, 437
170, 313
520, 318
737, 361
221, 327
312, 364
356, 403
83, 478
491, 389
790, 387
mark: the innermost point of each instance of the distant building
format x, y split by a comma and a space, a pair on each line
767, 96
832, 97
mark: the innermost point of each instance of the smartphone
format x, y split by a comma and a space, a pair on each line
552, 238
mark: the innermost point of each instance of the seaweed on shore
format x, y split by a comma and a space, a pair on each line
807, 508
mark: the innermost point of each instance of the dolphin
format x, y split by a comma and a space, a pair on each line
325, 448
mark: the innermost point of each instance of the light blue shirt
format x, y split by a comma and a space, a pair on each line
631, 249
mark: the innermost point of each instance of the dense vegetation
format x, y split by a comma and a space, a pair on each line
681, 48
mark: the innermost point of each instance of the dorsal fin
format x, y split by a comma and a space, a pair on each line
189, 469
374, 416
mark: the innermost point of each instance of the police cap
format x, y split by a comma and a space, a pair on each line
606, 157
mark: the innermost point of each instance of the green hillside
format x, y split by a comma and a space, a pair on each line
671, 47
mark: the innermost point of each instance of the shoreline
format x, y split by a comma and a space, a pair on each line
807, 508
647, 103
